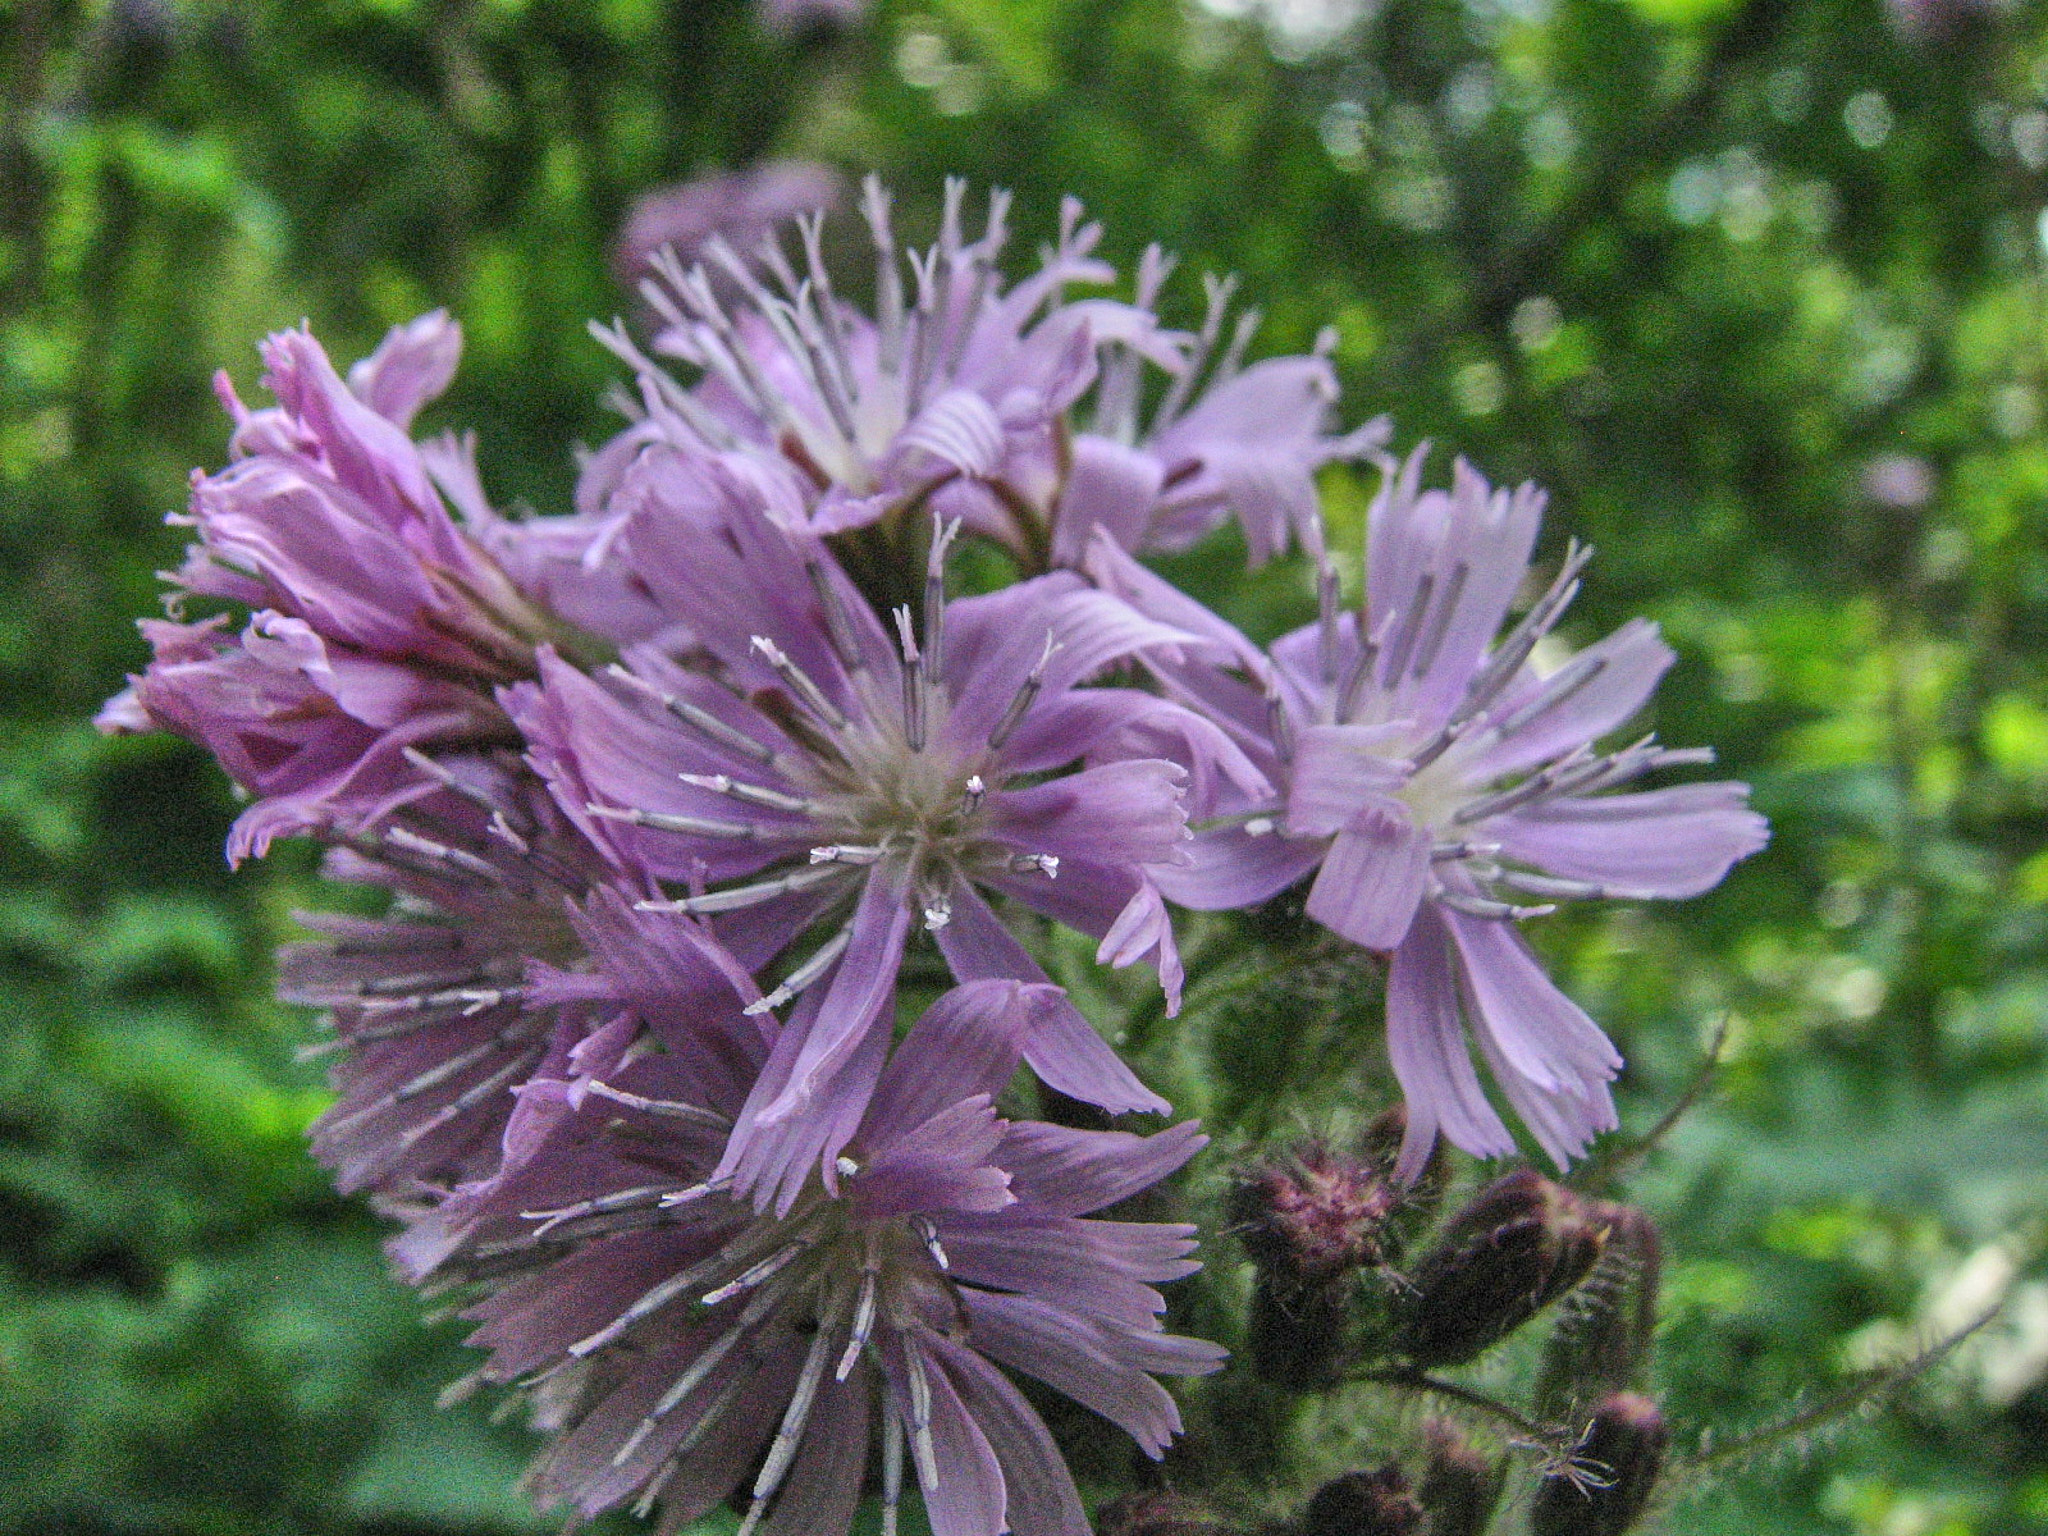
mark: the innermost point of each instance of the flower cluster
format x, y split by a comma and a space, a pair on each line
682, 803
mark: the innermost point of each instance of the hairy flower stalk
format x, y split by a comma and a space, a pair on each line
1442, 791
683, 1347
809, 767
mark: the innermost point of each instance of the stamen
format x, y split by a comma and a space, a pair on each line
938, 909
971, 795
644, 1505
649, 1302
1440, 620
930, 1234
943, 534
398, 941
1476, 906
1569, 890
1220, 291
913, 682
1409, 632
863, 1324
847, 853
782, 1450
892, 1471
1027, 691
769, 1267
1506, 661
1553, 691
838, 625
735, 897
671, 1108
662, 821
921, 1449
804, 974
1463, 850
470, 1097
458, 858
1024, 863
695, 1193
702, 720
445, 777
800, 683
752, 794
598, 1205
1326, 621
1278, 725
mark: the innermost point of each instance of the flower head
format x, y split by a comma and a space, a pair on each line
1442, 791
678, 1342
807, 765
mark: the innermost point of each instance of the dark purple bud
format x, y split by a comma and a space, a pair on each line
1364, 1504
1604, 1329
1606, 1486
1462, 1483
1310, 1222
1157, 1514
1518, 1245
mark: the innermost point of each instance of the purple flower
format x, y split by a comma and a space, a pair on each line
319, 736
677, 1343
928, 402
1224, 440
472, 984
740, 207
1441, 791
807, 766
1014, 410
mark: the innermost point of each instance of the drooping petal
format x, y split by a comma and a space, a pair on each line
1542, 1035
1426, 1045
1373, 876
1065, 1172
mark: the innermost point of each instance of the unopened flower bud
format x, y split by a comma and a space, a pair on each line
1381, 1146
1310, 1223
1364, 1504
1604, 1329
1156, 1514
1517, 1246
1605, 1489
1461, 1485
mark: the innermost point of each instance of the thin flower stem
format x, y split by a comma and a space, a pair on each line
1422, 1381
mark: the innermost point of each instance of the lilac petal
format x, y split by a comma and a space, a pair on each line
1061, 1172
1664, 843
960, 430
1544, 1037
1103, 725
1065, 1051
862, 988
1074, 1357
1119, 813
1632, 659
1230, 868
1112, 568
1373, 877
1102, 1268
824, 1486
994, 642
1339, 767
1141, 929
969, 1042
412, 365
1427, 1048
1109, 486
1565, 1120
1039, 1494
971, 1494
941, 1165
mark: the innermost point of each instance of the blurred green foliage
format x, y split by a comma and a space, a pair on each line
1755, 288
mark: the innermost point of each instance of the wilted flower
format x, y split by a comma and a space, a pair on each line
1442, 791
1605, 1488
676, 1342
812, 765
